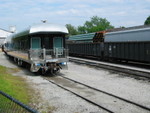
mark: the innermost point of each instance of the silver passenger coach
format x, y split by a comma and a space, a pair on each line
41, 46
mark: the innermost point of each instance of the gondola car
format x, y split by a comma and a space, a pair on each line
41, 46
129, 44
89, 45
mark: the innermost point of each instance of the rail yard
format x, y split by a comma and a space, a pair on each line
84, 88
111, 76
75, 56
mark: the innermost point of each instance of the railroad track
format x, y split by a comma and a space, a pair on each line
133, 71
104, 100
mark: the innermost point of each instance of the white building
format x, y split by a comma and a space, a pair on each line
3, 35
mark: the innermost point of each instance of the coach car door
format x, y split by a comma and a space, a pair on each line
58, 45
35, 43
58, 42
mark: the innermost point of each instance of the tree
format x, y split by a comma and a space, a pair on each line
72, 30
81, 30
95, 24
122, 27
147, 21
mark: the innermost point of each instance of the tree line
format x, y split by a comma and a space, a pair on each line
95, 24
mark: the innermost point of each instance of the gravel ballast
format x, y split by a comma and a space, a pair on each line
50, 98
117, 84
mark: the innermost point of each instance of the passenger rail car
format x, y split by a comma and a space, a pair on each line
124, 45
42, 46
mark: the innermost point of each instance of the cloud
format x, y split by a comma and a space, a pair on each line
75, 12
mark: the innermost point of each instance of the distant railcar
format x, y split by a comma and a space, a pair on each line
41, 46
86, 49
137, 51
87, 45
133, 35
130, 44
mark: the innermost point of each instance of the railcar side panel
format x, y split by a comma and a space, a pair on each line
86, 49
129, 51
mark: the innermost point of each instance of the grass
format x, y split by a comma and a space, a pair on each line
14, 86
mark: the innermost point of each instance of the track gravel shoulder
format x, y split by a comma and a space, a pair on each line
52, 99
116, 83
57, 100
49, 98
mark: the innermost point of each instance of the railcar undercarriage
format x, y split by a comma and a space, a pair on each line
42, 60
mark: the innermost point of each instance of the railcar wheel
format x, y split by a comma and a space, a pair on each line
15, 59
55, 71
52, 72
20, 62
42, 71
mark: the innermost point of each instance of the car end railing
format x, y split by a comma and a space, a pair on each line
44, 54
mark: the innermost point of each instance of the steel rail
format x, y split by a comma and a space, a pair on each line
137, 73
79, 96
123, 99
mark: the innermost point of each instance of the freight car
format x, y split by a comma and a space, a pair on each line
91, 50
42, 47
128, 45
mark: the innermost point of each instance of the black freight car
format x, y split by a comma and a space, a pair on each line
129, 45
84, 48
94, 50
128, 51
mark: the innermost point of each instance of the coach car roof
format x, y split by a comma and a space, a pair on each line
43, 28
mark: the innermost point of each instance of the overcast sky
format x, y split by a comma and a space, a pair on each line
22, 13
